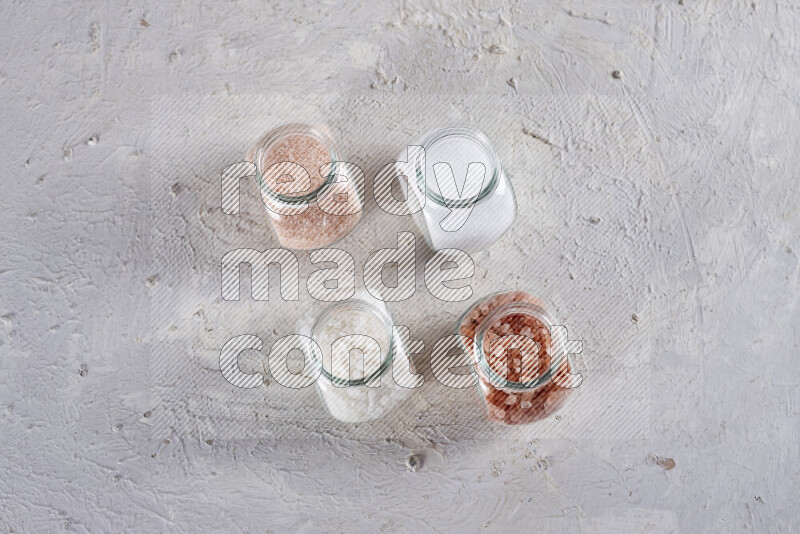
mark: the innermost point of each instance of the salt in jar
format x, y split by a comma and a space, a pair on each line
358, 385
522, 366
311, 198
467, 199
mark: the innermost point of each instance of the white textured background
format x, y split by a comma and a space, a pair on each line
712, 88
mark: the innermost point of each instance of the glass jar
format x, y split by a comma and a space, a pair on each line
300, 180
524, 378
355, 393
467, 206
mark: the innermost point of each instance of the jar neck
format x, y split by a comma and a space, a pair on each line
556, 353
275, 136
362, 306
493, 170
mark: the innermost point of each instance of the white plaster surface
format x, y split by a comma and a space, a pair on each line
667, 192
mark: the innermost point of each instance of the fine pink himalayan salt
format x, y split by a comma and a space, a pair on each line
330, 214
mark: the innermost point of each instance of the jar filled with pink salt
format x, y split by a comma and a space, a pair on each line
312, 197
521, 363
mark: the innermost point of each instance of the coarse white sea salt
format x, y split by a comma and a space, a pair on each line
356, 383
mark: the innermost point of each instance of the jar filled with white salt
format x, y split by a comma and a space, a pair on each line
467, 199
359, 351
312, 196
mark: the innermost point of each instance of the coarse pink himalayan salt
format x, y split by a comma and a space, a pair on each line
520, 406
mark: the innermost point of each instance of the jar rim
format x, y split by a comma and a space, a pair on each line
280, 133
434, 136
361, 305
557, 351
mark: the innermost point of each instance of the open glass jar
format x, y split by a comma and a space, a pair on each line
360, 388
467, 200
520, 359
311, 198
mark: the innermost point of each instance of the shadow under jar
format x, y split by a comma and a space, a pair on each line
467, 199
522, 365
355, 393
311, 198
